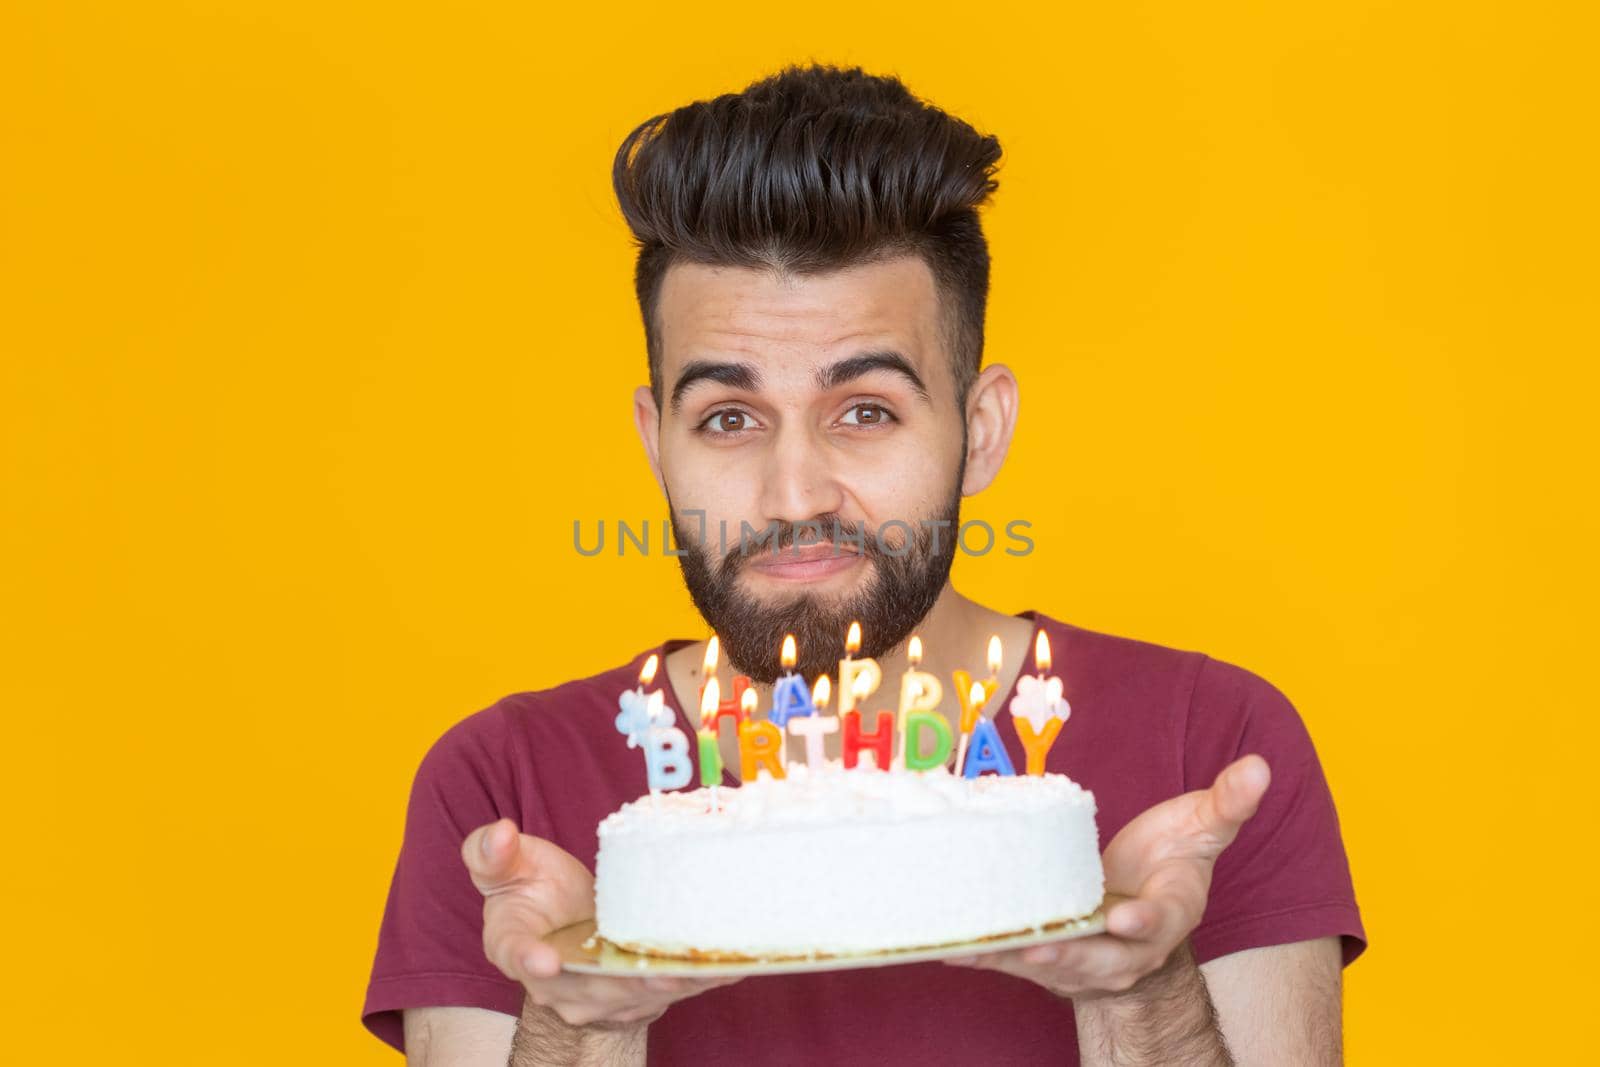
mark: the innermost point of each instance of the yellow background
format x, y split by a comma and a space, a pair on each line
317, 334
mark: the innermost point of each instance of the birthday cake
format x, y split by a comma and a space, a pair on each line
830, 861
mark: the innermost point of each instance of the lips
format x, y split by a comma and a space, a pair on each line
806, 563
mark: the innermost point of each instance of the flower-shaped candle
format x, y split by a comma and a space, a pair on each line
1039, 709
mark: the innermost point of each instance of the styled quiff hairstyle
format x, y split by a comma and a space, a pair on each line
807, 171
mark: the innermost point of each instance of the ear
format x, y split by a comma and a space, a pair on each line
991, 420
647, 419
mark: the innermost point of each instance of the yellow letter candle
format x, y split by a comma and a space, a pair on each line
858, 678
974, 697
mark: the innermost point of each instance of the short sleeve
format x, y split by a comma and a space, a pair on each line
430, 943
1286, 877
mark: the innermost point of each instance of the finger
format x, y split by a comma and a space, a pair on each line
1156, 920
491, 854
514, 925
539, 960
513, 929
1234, 797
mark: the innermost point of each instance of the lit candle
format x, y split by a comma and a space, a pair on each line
1039, 709
919, 691
974, 697
760, 744
858, 678
646, 721
641, 710
790, 696
710, 752
814, 727
708, 665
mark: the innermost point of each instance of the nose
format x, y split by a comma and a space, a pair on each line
799, 481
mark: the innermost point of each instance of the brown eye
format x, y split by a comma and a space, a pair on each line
725, 422
867, 415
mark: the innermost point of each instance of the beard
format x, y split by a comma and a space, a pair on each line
906, 576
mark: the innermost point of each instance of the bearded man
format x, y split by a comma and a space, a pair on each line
812, 278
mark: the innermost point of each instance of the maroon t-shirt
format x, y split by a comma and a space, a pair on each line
1148, 723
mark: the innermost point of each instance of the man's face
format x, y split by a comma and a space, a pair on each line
826, 399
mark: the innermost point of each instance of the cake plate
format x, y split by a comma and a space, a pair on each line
582, 952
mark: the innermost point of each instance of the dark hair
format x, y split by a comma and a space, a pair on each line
806, 171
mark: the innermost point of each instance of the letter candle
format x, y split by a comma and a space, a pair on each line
710, 754
708, 665
790, 695
760, 744
666, 749
813, 728
919, 692
858, 678
879, 741
1039, 710
974, 696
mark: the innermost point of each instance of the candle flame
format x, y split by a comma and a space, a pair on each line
852, 642
713, 654
647, 673
747, 702
710, 697
788, 655
914, 651
978, 696
1041, 653
821, 692
994, 655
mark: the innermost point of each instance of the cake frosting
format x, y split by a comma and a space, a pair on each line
846, 861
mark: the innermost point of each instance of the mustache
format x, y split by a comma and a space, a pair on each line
778, 536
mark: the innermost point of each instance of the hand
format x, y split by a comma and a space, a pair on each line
1162, 862
533, 887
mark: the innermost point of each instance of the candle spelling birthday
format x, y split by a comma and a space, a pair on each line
914, 738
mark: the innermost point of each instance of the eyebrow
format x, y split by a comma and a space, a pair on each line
848, 370
747, 376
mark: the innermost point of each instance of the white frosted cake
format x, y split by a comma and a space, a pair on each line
843, 862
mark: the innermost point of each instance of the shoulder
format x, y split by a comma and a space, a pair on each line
551, 758
522, 734
1202, 709
570, 711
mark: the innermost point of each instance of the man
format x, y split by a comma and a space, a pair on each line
812, 278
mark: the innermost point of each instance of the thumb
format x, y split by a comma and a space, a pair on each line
1234, 797
491, 855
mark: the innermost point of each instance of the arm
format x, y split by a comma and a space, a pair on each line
531, 887
1137, 994
1280, 1003
1166, 1017
457, 1037
543, 1037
